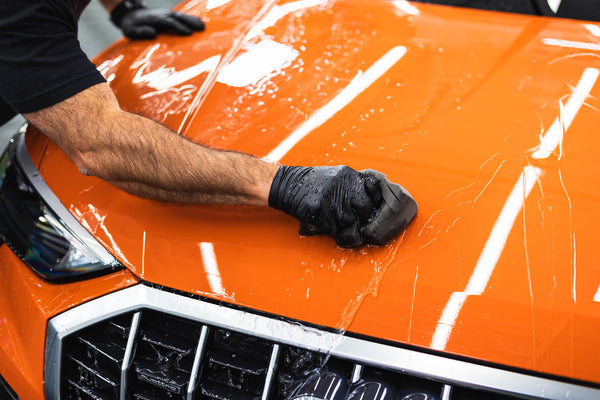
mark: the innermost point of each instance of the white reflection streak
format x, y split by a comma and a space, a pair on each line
406, 7
553, 136
165, 78
210, 4
593, 29
258, 62
211, 268
143, 252
499, 235
597, 295
361, 82
107, 66
278, 12
570, 44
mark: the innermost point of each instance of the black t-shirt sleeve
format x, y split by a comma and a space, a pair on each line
6, 112
41, 61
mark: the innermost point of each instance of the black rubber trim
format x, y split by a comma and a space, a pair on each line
6, 392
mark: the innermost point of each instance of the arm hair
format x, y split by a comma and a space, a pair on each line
147, 159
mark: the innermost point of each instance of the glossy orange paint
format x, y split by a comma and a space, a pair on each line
26, 307
451, 103
36, 143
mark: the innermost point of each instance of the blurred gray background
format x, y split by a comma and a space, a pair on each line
96, 32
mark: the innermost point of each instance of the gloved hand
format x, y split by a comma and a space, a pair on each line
329, 200
138, 22
337, 201
396, 211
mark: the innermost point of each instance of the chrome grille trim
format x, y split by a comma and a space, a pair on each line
127, 359
270, 372
356, 373
449, 371
446, 392
197, 359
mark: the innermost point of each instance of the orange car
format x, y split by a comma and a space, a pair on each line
489, 119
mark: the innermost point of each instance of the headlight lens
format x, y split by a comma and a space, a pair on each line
55, 250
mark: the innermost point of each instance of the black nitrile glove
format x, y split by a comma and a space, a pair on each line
356, 208
331, 200
138, 22
396, 211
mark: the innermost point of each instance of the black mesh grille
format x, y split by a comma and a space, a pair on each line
235, 366
230, 366
164, 355
92, 363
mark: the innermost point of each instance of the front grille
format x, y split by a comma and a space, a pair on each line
143, 343
232, 366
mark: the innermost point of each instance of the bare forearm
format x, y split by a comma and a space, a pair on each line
147, 159
155, 162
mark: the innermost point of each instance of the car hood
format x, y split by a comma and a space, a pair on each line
490, 120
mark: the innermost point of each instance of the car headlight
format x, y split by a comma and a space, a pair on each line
39, 229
